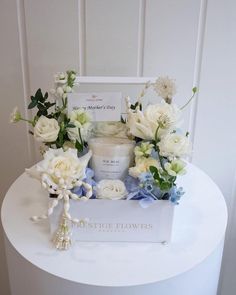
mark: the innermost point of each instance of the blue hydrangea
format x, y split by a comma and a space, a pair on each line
176, 194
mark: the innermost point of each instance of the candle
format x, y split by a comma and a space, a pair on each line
111, 157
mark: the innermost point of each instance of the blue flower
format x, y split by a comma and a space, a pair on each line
132, 184
148, 187
145, 176
176, 194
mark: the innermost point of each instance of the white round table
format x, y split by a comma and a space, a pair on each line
190, 264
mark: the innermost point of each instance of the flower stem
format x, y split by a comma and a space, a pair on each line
156, 138
194, 92
30, 122
81, 140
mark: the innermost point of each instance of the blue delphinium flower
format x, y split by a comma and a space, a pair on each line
175, 194
148, 187
145, 176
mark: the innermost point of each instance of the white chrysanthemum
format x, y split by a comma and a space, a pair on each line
142, 165
112, 189
174, 145
110, 129
61, 167
165, 88
15, 116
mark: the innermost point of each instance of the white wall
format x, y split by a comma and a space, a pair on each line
191, 41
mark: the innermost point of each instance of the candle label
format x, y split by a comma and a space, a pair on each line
110, 167
102, 106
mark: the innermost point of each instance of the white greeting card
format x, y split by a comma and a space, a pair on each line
102, 106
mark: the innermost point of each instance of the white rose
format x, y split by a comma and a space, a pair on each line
144, 124
110, 129
142, 165
112, 189
163, 115
174, 145
46, 130
62, 165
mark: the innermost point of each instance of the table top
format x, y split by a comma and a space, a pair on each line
199, 226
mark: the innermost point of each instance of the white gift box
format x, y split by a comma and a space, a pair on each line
119, 220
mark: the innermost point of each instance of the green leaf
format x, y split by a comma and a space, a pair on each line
38, 94
49, 104
70, 125
165, 186
154, 172
42, 113
122, 120
134, 106
32, 104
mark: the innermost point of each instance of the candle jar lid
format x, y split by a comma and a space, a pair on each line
110, 145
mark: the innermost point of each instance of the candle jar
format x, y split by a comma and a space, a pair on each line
111, 157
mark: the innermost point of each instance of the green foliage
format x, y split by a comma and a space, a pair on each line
71, 78
136, 105
79, 146
40, 101
162, 179
122, 120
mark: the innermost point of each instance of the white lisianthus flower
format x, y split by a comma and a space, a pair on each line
165, 88
61, 167
83, 125
144, 124
175, 167
59, 91
46, 130
15, 116
73, 76
110, 129
60, 78
142, 165
174, 145
112, 189
138, 125
68, 89
144, 149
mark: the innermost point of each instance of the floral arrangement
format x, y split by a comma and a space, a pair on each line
64, 173
161, 145
55, 128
